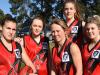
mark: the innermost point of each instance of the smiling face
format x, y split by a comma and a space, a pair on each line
69, 10
9, 30
37, 27
58, 33
92, 31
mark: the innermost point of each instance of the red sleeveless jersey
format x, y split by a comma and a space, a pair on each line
7, 59
75, 32
61, 58
91, 59
33, 49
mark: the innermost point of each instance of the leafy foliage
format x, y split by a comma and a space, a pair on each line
91, 7
24, 10
1, 15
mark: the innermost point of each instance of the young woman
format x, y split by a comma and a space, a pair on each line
10, 51
36, 47
66, 56
73, 21
91, 49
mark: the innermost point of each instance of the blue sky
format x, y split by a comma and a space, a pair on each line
5, 6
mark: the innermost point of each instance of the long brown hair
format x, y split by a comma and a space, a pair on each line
77, 14
39, 17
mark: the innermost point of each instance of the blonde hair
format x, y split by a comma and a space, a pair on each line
62, 24
94, 19
59, 22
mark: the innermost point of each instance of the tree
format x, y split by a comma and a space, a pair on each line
96, 7
24, 10
92, 7
1, 14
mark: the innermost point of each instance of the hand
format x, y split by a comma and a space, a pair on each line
53, 73
19, 40
33, 74
34, 70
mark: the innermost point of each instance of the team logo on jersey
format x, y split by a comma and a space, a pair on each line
17, 53
74, 29
65, 57
96, 54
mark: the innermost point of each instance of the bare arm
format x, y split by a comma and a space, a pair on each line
53, 72
25, 57
76, 56
27, 60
